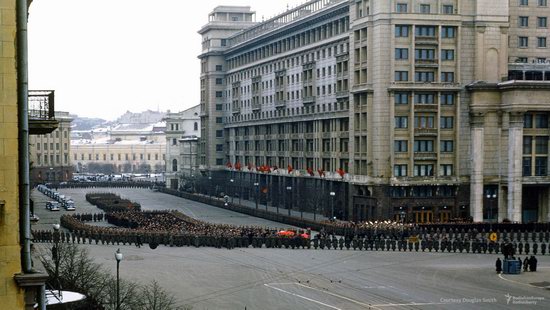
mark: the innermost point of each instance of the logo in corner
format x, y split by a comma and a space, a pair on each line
508, 298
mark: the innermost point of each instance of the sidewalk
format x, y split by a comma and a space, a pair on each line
293, 213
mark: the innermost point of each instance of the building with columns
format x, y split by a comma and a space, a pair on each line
421, 110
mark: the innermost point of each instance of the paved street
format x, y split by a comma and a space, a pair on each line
209, 278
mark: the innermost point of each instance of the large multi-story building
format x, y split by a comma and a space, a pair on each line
49, 153
422, 110
182, 133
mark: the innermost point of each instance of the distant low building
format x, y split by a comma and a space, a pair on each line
49, 153
182, 135
123, 148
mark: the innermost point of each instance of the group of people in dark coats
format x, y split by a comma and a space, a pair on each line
529, 264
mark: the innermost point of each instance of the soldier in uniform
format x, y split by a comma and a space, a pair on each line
341, 243
467, 246
520, 247
527, 247
543, 248
335, 242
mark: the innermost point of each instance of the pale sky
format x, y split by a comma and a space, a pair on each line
104, 57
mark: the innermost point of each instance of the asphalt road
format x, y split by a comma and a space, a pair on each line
209, 278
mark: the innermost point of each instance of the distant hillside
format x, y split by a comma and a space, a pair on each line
86, 123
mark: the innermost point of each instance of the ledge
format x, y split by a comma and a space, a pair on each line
31, 279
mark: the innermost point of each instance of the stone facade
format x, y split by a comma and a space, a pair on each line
182, 133
370, 98
50, 153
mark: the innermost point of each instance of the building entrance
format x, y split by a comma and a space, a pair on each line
531, 202
423, 216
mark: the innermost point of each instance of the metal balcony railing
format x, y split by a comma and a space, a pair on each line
41, 105
41, 112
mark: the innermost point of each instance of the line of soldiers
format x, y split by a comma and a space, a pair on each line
119, 236
115, 184
88, 217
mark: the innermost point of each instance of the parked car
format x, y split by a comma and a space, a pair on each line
52, 205
69, 205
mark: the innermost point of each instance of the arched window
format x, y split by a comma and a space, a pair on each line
196, 126
174, 165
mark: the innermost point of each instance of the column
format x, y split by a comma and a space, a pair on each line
515, 154
476, 159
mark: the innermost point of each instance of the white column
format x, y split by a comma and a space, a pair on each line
515, 154
476, 160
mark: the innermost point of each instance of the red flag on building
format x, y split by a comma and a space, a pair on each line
228, 165
341, 172
321, 172
238, 165
310, 171
289, 168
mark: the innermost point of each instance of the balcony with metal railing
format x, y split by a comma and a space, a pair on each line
41, 111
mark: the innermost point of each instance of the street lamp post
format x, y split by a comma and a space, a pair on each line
257, 186
233, 190
118, 257
289, 189
210, 187
332, 194
490, 198
55, 252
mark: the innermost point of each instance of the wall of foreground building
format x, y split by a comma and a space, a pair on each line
11, 295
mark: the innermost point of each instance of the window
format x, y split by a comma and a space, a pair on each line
401, 146
401, 53
526, 166
401, 122
401, 8
174, 165
219, 161
447, 77
195, 126
543, 2
523, 2
174, 141
219, 107
401, 76
447, 54
425, 31
401, 98
523, 42
425, 8
401, 31
424, 98
523, 21
219, 81
541, 166
424, 54
219, 147
447, 146
424, 76
219, 68
223, 42
400, 170
541, 145
219, 133
541, 42
448, 32
446, 122
447, 98
527, 145
112, 156
541, 120
423, 170
424, 122
423, 146
448, 9
219, 120
75, 157
542, 22
219, 94
446, 170
527, 120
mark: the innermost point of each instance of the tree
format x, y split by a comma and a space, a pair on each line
79, 273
